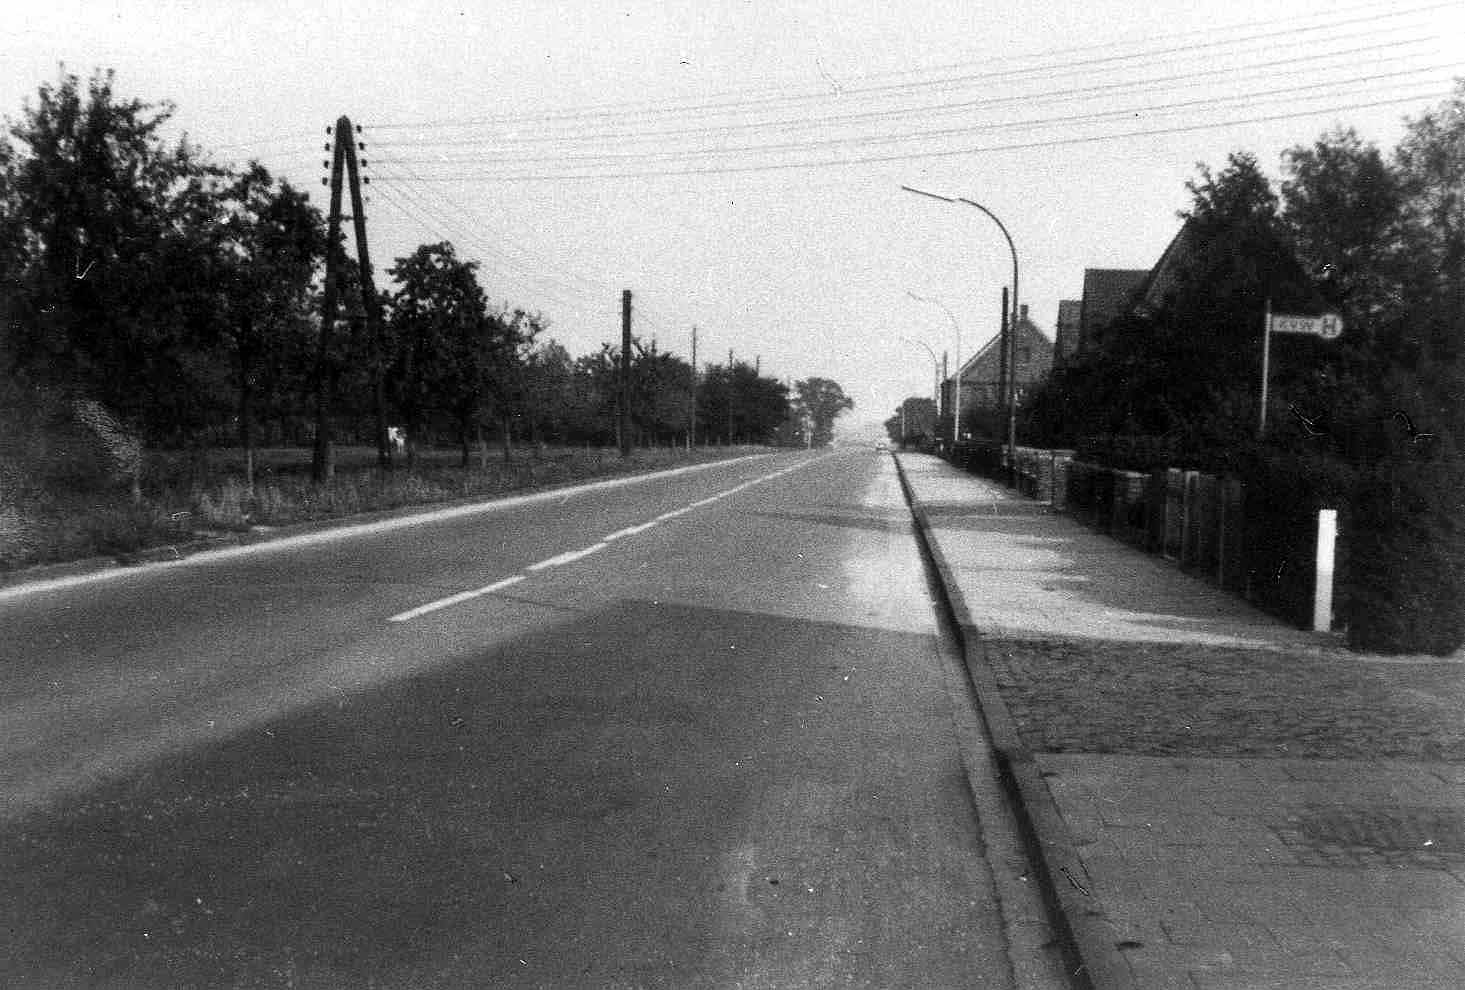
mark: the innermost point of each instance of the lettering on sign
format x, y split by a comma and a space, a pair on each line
1329, 326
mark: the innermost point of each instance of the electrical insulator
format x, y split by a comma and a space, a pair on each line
325, 164
366, 180
358, 128
327, 147
363, 163
328, 128
360, 146
324, 181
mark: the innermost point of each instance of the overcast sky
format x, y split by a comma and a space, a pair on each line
738, 165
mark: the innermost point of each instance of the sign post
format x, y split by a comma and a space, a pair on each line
1261, 416
1328, 326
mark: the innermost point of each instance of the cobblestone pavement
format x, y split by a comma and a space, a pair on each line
1157, 699
1252, 806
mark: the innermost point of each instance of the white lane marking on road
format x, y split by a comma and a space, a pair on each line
568, 557
629, 531
350, 530
457, 599
571, 556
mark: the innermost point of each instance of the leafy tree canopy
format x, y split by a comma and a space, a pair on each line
824, 401
106, 252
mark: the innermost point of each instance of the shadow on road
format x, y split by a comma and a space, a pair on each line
555, 810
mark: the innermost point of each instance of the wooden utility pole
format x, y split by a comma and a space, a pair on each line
369, 303
344, 166
1011, 425
320, 463
1003, 370
692, 414
945, 401
625, 410
730, 391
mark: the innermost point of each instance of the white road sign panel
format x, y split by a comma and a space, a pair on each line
1329, 326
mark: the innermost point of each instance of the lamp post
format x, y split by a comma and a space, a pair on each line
935, 378
956, 396
1008, 349
1009, 346
935, 369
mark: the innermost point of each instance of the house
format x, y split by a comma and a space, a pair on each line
981, 375
1107, 293
1066, 335
1165, 276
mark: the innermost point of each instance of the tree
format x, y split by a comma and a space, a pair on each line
550, 396
109, 281
442, 334
735, 404
597, 390
1343, 208
1185, 369
914, 421
272, 244
1431, 164
715, 404
661, 393
1407, 562
500, 371
823, 400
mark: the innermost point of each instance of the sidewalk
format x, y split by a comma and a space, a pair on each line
1219, 800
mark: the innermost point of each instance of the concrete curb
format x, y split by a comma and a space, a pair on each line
1091, 947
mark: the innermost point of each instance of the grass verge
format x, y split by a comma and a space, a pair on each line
196, 496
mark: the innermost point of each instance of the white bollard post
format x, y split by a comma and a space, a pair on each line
1322, 595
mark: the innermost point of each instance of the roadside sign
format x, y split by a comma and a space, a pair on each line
1328, 326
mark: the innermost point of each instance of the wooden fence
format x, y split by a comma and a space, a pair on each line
1206, 523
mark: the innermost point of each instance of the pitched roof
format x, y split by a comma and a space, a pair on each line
1066, 333
1026, 330
1163, 276
1107, 293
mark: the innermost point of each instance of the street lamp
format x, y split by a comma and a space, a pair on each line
935, 379
956, 420
935, 369
1009, 350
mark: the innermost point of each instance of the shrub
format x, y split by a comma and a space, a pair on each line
1284, 489
1407, 567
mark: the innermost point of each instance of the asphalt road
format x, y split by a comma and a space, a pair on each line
689, 731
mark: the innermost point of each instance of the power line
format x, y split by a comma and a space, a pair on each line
531, 279
442, 229
1387, 11
588, 290
1291, 65
625, 110
592, 292
945, 153
437, 226
1329, 89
